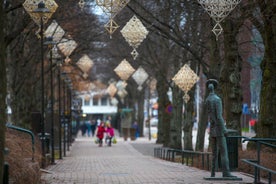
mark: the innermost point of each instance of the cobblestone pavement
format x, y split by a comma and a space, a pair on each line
87, 163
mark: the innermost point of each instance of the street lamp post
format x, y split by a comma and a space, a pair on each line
41, 10
41, 13
50, 43
59, 110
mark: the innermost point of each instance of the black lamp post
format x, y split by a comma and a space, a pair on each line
41, 11
59, 110
50, 43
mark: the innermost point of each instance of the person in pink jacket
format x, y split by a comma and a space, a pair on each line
109, 134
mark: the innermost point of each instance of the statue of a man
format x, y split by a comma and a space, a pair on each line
217, 130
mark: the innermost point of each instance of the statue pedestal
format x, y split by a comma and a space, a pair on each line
223, 178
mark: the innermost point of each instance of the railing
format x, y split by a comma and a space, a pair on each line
25, 131
256, 163
187, 157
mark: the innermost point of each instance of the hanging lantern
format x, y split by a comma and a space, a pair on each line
85, 64
114, 101
124, 70
111, 26
67, 47
112, 89
54, 31
31, 5
134, 33
218, 10
81, 4
185, 80
140, 76
111, 8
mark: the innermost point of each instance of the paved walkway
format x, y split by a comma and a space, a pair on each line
122, 163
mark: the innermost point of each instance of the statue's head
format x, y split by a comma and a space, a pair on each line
211, 84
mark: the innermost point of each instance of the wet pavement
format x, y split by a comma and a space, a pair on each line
127, 162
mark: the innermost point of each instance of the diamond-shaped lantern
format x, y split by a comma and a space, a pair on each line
54, 31
112, 89
121, 85
111, 26
111, 8
134, 33
81, 4
140, 76
218, 10
185, 80
124, 70
31, 5
67, 47
85, 64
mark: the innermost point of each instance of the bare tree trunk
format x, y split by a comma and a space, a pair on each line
231, 77
267, 124
188, 124
163, 117
213, 73
3, 90
176, 120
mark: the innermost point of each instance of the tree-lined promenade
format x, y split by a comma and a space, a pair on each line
180, 32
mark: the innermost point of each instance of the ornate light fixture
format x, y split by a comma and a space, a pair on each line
31, 5
85, 64
111, 8
218, 10
185, 80
140, 76
124, 70
67, 46
134, 32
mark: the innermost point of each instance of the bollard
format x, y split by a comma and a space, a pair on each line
6, 168
6, 173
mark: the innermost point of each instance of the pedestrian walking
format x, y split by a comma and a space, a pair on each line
93, 127
88, 125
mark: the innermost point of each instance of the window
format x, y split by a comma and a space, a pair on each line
95, 101
104, 101
87, 102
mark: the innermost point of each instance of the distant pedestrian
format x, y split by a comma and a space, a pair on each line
88, 125
93, 127
98, 122
135, 125
83, 128
100, 133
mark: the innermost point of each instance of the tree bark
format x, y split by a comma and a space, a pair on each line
176, 120
230, 80
266, 123
3, 89
163, 134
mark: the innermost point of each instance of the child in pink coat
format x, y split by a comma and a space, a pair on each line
109, 134
100, 133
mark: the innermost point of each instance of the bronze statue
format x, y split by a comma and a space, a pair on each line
218, 130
